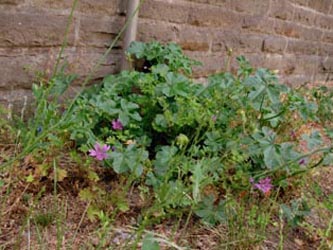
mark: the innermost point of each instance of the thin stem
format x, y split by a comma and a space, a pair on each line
64, 44
302, 171
281, 230
56, 202
80, 223
263, 173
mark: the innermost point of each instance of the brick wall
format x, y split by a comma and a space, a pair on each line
292, 36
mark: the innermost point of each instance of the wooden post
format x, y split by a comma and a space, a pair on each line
130, 34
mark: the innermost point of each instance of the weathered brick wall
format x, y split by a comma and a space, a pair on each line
292, 36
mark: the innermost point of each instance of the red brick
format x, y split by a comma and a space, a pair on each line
99, 32
281, 9
260, 24
13, 101
12, 2
164, 11
224, 3
254, 7
328, 37
306, 64
325, 22
326, 49
274, 45
296, 30
321, 6
100, 7
213, 17
18, 66
211, 63
296, 80
149, 30
82, 60
288, 29
285, 64
239, 42
256, 60
299, 47
300, 2
304, 16
193, 38
326, 65
25, 29
310, 34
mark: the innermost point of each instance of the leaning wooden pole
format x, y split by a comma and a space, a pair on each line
130, 34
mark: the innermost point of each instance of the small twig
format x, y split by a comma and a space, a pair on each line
29, 235
16, 202
79, 225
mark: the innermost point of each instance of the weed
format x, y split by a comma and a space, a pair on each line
224, 154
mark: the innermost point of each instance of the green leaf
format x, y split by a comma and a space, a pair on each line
137, 49
127, 106
272, 156
30, 178
160, 123
136, 116
161, 69
124, 118
118, 164
314, 140
163, 159
210, 213
273, 94
256, 94
150, 243
296, 212
328, 160
60, 84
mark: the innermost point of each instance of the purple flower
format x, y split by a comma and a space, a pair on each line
264, 185
293, 135
117, 125
302, 161
99, 151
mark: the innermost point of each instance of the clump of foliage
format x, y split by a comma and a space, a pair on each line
181, 138
226, 151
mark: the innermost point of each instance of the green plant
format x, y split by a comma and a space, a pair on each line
296, 212
218, 151
44, 219
180, 138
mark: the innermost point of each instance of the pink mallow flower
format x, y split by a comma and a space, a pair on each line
264, 185
117, 125
99, 151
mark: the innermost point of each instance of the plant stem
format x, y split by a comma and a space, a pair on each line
64, 44
271, 171
281, 230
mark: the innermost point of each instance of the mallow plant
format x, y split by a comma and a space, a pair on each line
180, 137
